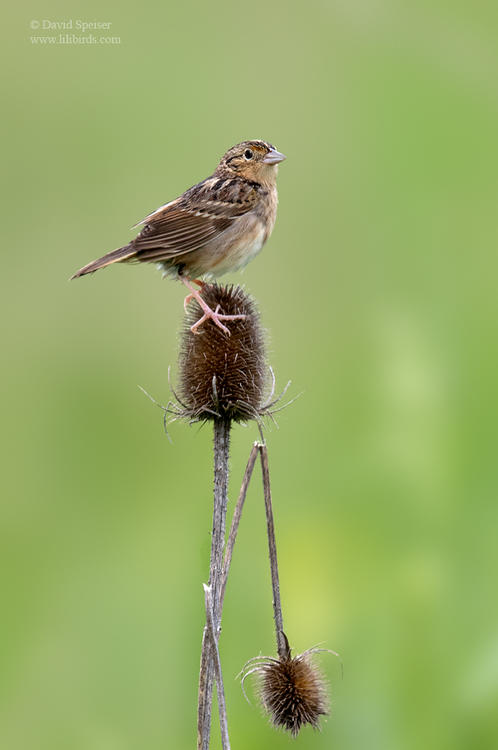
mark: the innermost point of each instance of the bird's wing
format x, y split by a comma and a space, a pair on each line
198, 216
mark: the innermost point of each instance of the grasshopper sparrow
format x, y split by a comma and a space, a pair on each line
215, 227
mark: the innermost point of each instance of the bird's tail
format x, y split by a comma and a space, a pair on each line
115, 256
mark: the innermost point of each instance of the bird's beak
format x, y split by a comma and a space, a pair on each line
273, 157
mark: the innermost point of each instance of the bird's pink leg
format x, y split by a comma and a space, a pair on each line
188, 299
209, 314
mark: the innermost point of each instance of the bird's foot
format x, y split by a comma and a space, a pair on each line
188, 299
208, 314
215, 316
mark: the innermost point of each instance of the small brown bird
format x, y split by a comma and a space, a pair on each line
215, 227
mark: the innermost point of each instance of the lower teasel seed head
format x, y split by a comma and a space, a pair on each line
292, 690
223, 376
293, 693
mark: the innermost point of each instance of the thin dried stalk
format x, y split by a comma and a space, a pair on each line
220, 690
206, 676
282, 645
207, 668
237, 514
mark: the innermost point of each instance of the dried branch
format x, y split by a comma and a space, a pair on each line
237, 514
220, 690
282, 645
206, 676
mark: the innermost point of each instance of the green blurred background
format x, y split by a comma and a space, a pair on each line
378, 289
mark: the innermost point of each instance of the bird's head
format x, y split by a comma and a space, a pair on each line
253, 160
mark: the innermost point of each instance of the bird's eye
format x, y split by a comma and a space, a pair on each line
248, 154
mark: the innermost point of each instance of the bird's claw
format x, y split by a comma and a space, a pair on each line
208, 314
186, 302
216, 317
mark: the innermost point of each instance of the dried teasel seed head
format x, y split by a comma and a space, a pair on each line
292, 690
220, 375
293, 693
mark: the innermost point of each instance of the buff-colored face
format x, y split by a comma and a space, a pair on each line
254, 160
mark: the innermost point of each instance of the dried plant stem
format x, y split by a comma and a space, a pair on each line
221, 454
205, 688
220, 690
206, 676
282, 644
210, 660
237, 514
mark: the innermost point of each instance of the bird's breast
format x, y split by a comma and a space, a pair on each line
238, 245
235, 247
268, 211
